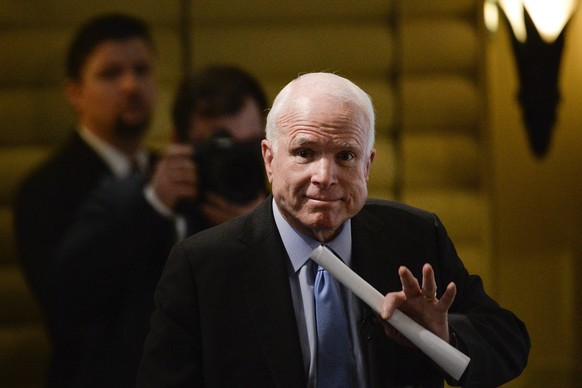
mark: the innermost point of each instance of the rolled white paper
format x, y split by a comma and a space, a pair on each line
450, 359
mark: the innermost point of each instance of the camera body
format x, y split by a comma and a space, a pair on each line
234, 170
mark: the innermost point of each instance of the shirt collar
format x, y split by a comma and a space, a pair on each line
299, 246
118, 162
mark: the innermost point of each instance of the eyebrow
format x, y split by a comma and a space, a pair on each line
301, 141
305, 141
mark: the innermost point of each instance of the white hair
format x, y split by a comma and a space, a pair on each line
332, 86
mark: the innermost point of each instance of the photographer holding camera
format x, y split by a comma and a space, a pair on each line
221, 112
113, 255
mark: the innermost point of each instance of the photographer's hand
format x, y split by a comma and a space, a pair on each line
174, 178
217, 210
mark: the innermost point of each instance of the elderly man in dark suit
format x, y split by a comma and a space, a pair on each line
239, 305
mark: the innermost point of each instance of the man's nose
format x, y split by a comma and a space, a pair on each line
129, 81
324, 172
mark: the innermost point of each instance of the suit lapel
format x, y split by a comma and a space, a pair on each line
374, 252
264, 276
377, 253
79, 152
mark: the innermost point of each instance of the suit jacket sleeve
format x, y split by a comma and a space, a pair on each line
116, 241
493, 337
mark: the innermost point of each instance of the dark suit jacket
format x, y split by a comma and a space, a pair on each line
107, 267
47, 202
81, 236
224, 314
45, 206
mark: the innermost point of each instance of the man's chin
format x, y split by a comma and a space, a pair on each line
325, 222
132, 128
325, 210
325, 232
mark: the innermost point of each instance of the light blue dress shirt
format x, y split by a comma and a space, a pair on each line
299, 248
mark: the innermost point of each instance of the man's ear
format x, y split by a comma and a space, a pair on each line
175, 136
73, 93
267, 150
369, 163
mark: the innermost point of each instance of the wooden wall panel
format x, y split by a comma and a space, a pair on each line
439, 45
437, 9
441, 161
69, 13
442, 100
465, 216
32, 57
284, 51
15, 297
34, 115
301, 11
8, 257
37, 57
15, 163
382, 174
446, 103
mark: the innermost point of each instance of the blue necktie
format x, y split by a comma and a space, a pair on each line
334, 355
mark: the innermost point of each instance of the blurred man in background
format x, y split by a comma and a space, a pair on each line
110, 85
221, 111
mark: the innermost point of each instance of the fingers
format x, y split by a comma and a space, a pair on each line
219, 201
448, 297
397, 336
174, 178
392, 301
428, 291
216, 215
178, 150
218, 209
410, 285
421, 303
178, 165
429, 287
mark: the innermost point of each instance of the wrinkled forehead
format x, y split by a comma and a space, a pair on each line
321, 97
324, 109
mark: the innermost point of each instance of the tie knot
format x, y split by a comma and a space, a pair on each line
318, 268
315, 268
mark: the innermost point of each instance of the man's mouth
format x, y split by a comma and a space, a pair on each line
322, 199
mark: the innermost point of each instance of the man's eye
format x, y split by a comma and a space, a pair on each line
110, 73
143, 69
304, 153
346, 156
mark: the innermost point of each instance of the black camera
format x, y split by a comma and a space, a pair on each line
229, 168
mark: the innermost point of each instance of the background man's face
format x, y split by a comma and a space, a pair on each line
115, 94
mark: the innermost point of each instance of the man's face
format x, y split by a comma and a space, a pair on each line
319, 168
247, 124
115, 94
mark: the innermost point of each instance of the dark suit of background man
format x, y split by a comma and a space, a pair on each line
234, 306
110, 85
109, 262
